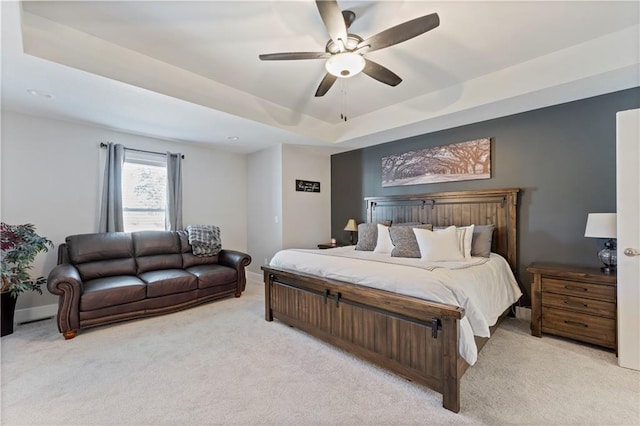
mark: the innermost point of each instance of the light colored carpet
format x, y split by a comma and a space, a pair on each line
222, 363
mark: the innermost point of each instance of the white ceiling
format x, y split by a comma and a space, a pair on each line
190, 71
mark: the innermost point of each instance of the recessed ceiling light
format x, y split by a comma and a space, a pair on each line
40, 94
233, 138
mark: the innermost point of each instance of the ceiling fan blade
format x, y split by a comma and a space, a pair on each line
287, 56
333, 20
380, 73
326, 84
401, 32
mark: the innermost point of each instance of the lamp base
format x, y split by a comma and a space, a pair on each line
608, 270
608, 255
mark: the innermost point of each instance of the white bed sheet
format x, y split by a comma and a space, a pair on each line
484, 287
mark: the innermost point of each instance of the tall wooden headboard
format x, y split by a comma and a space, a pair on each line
461, 208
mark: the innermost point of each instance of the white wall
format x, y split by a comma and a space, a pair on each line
278, 216
307, 215
52, 173
264, 204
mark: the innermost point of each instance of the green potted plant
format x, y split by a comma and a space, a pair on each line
19, 244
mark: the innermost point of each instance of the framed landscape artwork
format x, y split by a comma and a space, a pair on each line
459, 161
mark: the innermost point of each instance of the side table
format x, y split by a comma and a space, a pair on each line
323, 246
574, 302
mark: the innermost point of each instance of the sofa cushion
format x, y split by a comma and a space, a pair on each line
156, 250
213, 275
104, 292
158, 262
189, 260
101, 255
168, 281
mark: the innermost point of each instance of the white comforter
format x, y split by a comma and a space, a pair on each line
483, 287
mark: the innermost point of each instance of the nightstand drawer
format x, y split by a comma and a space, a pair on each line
580, 304
580, 289
598, 330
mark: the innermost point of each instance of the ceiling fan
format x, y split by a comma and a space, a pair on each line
345, 52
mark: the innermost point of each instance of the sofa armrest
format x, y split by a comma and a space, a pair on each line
234, 259
64, 280
238, 261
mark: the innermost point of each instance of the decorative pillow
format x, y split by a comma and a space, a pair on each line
404, 240
368, 235
465, 236
409, 224
438, 246
383, 244
481, 242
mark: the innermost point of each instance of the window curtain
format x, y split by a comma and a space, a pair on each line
173, 218
111, 218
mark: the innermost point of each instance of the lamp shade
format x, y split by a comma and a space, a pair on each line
351, 226
601, 225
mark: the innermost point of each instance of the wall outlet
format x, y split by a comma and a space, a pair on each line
266, 261
523, 313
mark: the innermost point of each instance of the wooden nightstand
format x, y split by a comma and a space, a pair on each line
575, 302
331, 245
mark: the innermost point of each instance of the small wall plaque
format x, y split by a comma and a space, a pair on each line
307, 186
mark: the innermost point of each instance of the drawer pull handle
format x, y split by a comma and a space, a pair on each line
573, 287
569, 302
576, 323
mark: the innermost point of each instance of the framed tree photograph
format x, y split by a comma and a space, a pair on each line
449, 163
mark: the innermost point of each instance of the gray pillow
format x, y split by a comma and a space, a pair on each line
481, 240
368, 235
404, 240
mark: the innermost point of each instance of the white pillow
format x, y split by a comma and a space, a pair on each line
438, 246
465, 237
384, 244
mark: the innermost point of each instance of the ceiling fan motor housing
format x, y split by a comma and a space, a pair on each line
352, 42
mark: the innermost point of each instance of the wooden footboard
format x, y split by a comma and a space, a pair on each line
414, 338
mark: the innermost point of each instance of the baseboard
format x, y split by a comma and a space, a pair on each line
36, 313
523, 313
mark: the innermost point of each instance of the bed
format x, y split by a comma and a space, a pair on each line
419, 339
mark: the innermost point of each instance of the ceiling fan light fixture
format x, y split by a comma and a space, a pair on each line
345, 65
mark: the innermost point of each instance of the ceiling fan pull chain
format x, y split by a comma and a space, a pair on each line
343, 84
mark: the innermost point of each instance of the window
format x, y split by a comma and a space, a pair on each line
144, 188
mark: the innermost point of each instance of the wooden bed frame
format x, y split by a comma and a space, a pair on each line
414, 338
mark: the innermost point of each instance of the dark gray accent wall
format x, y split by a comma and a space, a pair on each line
561, 157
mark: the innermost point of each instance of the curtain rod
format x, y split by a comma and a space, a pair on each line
104, 145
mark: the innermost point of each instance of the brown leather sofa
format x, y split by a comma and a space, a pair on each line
116, 276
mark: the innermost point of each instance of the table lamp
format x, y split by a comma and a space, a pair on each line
351, 227
603, 225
